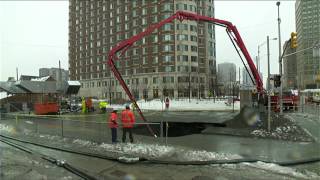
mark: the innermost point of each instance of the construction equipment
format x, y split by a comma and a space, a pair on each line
231, 30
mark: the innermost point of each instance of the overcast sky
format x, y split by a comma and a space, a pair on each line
34, 34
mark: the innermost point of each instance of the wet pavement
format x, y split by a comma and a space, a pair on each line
263, 149
105, 169
16, 164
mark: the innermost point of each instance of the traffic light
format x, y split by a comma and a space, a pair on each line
294, 43
277, 81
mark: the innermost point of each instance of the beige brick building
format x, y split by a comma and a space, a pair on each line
161, 64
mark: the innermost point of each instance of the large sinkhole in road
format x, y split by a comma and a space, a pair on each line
175, 129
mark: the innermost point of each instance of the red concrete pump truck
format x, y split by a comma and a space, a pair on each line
116, 52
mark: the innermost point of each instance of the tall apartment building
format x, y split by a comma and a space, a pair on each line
308, 30
161, 64
289, 67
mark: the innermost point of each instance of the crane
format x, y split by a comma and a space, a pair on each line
116, 52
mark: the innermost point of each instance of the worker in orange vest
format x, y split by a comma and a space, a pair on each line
127, 118
113, 125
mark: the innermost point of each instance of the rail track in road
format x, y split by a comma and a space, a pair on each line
48, 158
156, 161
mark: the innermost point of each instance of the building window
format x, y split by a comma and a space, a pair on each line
155, 49
145, 80
182, 27
155, 60
167, 37
154, 38
193, 28
183, 58
165, 16
194, 48
182, 47
168, 79
168, 48
169, 69
194, 58
168, 27
144, 60
167, 7
167, 58
134, 13
155, 80
182, 37
154, 9
154, 19
193, 8
144, 11
144, 21
193, 38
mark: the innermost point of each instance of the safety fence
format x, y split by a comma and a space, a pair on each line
87, 127
313, 109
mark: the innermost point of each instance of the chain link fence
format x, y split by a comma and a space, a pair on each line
80, 127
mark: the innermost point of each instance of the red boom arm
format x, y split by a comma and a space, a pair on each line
180, 15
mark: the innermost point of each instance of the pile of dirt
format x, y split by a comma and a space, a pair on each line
281, 128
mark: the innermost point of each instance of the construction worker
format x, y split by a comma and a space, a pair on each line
127, 118
167, 102
83, 105
113, 125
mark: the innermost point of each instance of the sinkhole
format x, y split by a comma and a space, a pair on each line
175, 129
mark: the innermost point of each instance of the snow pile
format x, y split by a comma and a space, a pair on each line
207, 156
156, 151
128, 159
50, 137
5, 128
151, 150
282, 170
281, 132
84, 142
185, 105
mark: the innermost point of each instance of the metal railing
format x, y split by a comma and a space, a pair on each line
70, 127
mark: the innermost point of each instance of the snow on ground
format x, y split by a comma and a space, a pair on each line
5, 128
156, 151
280, 132
282, 170
183, 105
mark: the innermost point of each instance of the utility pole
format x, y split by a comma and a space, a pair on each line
280, 58
239, 85
269, 98
189, 86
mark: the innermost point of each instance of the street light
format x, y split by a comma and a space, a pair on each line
280, 58
268, 84
259, 46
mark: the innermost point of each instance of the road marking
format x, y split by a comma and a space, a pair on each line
304, 129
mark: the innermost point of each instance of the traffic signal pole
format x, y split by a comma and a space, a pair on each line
280, 57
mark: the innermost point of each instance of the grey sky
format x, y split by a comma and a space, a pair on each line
34, 34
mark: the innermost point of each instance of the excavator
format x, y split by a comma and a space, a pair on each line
116, 52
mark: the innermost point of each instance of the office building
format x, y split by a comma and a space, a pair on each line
308, 32
289, 67
227, 74
54, 73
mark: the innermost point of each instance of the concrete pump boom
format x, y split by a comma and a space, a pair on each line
180, 15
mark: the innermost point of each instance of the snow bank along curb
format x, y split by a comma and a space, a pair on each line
156, 151
183, 105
